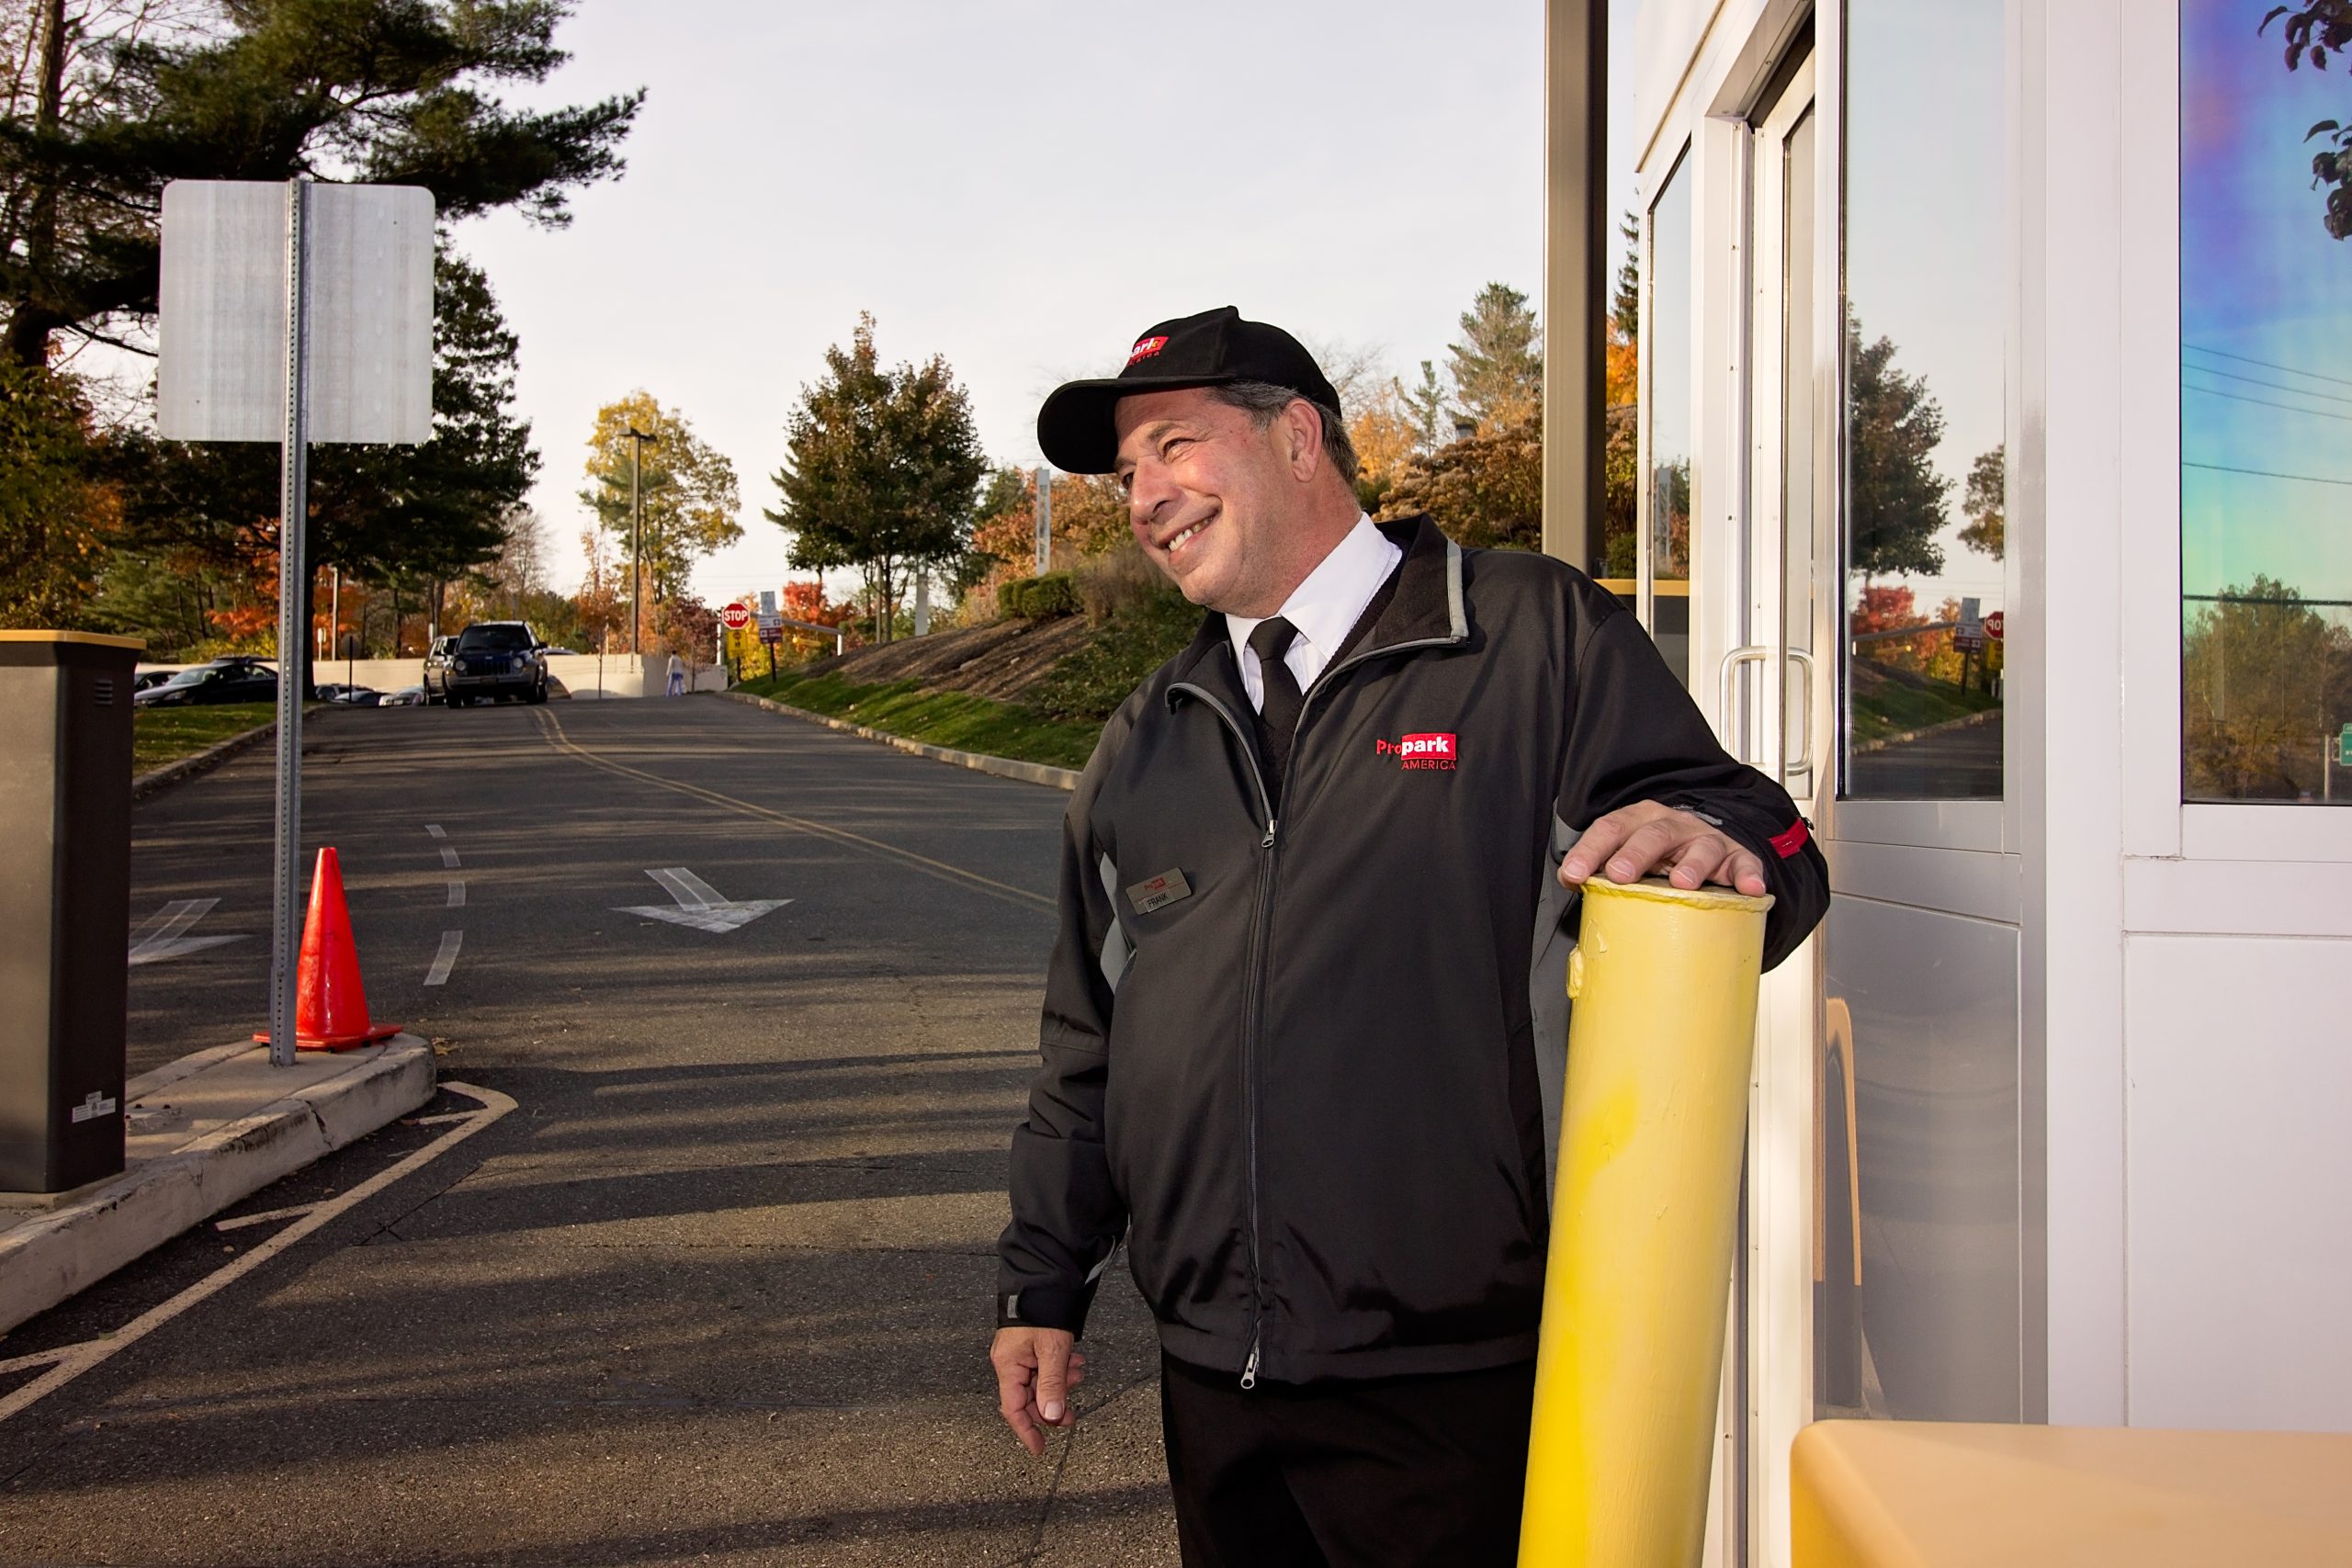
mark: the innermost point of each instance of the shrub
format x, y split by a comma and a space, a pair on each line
1008, 596
1093, 679
1050, 596
1118, 581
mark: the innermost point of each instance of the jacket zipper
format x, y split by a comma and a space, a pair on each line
1254, 976
1250, 983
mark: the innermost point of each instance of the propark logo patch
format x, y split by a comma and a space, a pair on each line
1146, 348
1429, 752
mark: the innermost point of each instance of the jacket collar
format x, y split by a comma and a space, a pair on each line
1428, 606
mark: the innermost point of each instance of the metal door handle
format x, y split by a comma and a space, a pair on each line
1755, 653
1803, 764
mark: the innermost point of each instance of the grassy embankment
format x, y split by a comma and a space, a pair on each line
1895, 707
166, 735
938, 718
1056, 715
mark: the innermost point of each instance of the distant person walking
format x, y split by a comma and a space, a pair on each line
677, 677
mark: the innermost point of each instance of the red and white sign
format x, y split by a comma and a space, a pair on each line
1146, 348
736, 616
1993, 625
1429, 750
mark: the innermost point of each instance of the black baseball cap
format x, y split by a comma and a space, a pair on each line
1215, 348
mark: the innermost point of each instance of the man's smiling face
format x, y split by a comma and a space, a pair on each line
1208, 496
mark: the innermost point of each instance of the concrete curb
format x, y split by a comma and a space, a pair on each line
52, 1254
1965, 721
203, 762
979, 761
219, 752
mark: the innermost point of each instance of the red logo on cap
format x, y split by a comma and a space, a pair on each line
1146, 348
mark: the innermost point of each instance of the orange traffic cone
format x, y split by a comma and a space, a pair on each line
330, 1007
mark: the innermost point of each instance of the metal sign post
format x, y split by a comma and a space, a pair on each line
294, 313
1044, 520
293, 629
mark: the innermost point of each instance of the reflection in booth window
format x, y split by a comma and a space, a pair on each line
1925, 517
1665, 492
2266, 405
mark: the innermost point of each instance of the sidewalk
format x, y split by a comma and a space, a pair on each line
204, 1131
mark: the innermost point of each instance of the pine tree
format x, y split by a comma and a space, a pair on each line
1499, 367
1425, 406
387, 91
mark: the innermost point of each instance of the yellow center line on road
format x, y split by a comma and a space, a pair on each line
553, 728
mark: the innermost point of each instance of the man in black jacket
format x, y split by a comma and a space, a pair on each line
1305, 1026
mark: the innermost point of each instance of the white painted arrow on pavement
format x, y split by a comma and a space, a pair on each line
700, 904
159, 936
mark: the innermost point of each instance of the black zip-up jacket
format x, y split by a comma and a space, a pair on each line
1313, 1061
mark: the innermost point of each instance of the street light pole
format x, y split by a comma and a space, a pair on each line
637, 440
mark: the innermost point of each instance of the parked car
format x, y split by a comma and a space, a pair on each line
146, 678
496, 658
240, 679
436, 669
552, 652
351, 696
406, 697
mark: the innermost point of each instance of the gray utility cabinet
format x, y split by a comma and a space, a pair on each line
64, 905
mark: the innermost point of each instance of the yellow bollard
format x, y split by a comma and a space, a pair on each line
1651, 1134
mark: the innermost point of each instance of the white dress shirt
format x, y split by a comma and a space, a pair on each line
1325, 608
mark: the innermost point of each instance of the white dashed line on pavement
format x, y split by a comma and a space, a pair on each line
449, 856
435, 829
457, 893
444, 960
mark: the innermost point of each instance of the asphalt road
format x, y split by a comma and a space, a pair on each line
715, 1291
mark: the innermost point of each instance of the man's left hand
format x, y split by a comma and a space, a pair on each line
1642, 838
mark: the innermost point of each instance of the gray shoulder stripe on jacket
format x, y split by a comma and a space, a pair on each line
1547, 993
1115, 951
1457, 618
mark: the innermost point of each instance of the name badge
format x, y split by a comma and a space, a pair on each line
1159, 892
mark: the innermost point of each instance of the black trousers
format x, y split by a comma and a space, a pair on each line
1392, 1473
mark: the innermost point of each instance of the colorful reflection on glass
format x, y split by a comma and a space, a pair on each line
2265, 399
1666, 499
1925, 216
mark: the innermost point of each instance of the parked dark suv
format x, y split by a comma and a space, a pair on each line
497, 659
242, 679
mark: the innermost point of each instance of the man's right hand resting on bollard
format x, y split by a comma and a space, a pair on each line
1036, 1371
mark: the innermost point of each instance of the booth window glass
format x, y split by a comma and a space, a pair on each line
2265, 406
1925, 413
1666, 495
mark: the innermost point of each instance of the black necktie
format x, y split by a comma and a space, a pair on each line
1278, 713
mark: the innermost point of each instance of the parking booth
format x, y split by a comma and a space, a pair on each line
65, 904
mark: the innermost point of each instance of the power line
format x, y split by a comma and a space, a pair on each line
2265, 364
2265, 402
2257, 381
2264, 473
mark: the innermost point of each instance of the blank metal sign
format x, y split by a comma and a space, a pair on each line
221, 375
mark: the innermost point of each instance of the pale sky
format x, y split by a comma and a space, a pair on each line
1019, 184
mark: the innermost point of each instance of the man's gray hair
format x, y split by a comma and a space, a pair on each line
1263, 401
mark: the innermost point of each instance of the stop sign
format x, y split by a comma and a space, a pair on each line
1993, 625
737, 616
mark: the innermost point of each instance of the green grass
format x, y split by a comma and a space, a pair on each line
166, 735
939, 718
1894, 708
